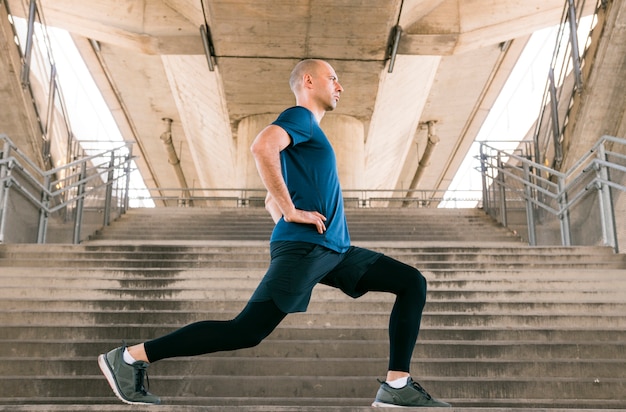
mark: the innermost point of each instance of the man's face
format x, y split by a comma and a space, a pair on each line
328, 87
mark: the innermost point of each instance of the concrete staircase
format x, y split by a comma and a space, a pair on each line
506, 328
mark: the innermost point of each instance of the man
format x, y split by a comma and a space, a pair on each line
310, 244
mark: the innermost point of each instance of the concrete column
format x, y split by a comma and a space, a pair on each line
345, 133
247, 129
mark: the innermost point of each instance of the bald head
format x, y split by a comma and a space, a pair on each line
315, 86
309, 66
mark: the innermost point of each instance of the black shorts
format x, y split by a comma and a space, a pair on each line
296, 267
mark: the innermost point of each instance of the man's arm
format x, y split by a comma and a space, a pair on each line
272, 207
266, 149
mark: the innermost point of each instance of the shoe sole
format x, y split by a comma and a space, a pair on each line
107, 371
386, 405
377, 404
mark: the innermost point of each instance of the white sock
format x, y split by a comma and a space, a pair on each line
399, 383
128, 358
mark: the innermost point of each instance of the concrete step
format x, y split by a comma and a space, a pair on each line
95, 406
610, 297
348, 350
209, 274
168, 247
226, 257
383, 233
348, 319
105, 285
134, 332
360, 305
216, 390
425, 266
188, 281
571, 390
367, 367
125, 293
226, 263
209, 271
483, 255
254, 223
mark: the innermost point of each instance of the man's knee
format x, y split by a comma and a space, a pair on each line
418, 286
251, 341
249, 335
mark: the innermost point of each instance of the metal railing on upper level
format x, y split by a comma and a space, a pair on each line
515, 188
569, 67
88, 192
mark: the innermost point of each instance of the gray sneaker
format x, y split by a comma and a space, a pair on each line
126, 380
411, 395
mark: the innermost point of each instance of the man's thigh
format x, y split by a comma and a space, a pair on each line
348, 272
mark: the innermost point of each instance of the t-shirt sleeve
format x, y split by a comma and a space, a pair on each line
296, 121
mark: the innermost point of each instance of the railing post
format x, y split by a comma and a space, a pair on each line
128, 160
42, 227
4, 189
483, 174
554, 110
530, 213
566, 237
607, 216
108, 196
365, 202
80, 201
501, 192
573, 34
28, 49
4, 198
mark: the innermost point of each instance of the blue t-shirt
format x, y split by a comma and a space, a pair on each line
309, 168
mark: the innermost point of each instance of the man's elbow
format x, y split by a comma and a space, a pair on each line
255, 149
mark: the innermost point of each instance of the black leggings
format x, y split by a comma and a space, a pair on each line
258, 319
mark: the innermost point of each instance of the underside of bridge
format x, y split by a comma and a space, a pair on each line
404, 65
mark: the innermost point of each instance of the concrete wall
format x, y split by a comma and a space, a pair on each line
17, 116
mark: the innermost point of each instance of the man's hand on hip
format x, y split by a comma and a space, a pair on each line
312, 218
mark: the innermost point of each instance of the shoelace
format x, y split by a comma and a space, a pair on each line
420, 389
140, 373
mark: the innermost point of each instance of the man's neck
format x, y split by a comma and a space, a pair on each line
317, 112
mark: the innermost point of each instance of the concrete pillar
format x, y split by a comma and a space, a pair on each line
345, 133
247, 129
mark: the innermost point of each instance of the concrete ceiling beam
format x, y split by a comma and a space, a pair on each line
148, 27
458, 26
414, 10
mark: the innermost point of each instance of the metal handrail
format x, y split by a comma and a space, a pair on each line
562, 88
553, 191
65, 189
353, 198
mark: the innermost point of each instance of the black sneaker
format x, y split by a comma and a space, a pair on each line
126, 380
411, 395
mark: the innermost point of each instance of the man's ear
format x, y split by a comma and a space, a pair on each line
307, 80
